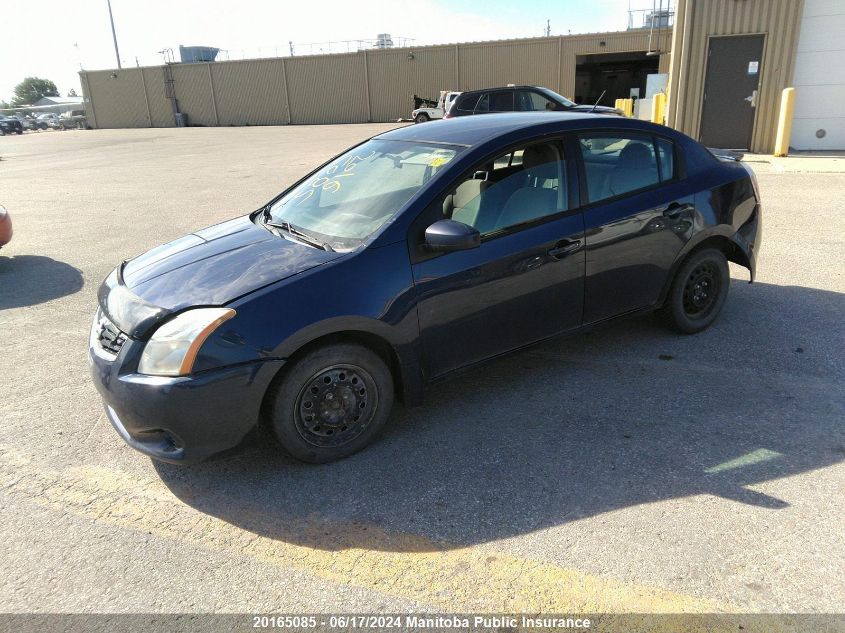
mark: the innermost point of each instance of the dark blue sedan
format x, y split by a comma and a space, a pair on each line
415, 254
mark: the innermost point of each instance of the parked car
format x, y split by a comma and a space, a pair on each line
425, 114
418, 253
5, 227
518, 99
73, 119
9, 125
48, 120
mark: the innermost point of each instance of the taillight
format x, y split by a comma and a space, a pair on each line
448, 115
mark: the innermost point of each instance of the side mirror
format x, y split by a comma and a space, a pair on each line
448, 235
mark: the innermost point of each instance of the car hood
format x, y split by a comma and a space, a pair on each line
213, 266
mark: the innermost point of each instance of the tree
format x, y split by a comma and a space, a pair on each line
32, 89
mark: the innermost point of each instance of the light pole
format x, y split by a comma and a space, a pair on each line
114, 35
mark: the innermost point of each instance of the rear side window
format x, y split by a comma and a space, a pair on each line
466, 103
665, 159
616, 164
501, 101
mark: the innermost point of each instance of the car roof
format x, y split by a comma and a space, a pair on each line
474, 130
521, 87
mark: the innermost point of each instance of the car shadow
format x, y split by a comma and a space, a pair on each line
27, 280
628, 415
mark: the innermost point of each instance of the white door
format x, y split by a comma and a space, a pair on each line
819, 122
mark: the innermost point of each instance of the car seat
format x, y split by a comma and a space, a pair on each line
634, 169
539, 195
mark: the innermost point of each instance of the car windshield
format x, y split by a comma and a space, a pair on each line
561, 98
357, 193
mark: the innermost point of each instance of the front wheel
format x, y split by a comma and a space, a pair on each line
698, 292
331, 403
422, 117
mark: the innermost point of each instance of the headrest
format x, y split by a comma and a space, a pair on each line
538, 155
634, 155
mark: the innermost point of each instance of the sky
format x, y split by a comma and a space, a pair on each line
77, 35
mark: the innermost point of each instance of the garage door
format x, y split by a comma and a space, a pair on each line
819, 122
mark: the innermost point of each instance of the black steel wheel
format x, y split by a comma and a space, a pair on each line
701, 289
335, 405
331, 403
698, 292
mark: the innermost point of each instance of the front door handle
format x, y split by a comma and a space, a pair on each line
564, 248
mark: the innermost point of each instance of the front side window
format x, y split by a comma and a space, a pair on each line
531, 101
515, 188
616, 164
357, 193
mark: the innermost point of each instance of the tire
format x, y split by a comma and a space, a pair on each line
2, 132
698, 292
422, 117
18, 131
346, 389
42, 126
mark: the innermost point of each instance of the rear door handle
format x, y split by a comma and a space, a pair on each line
564, 248
675, 210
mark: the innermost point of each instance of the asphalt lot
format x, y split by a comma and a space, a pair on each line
627, 469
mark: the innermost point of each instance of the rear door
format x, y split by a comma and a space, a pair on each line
638, 215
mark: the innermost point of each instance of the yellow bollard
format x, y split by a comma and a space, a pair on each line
658, 107
629, 107
618, 105
787, 109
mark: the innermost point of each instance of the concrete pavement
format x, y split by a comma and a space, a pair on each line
626, 470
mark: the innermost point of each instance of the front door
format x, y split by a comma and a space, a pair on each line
731, 91
524, 283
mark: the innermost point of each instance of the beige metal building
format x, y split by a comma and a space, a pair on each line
372, 85
727, 63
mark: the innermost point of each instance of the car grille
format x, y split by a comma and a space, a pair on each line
109, 337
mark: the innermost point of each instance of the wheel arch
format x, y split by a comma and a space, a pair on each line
720, 241
401, 360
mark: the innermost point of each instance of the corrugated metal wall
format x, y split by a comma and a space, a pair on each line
778, 20
376, 85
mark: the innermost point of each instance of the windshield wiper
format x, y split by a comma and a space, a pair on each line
300, 235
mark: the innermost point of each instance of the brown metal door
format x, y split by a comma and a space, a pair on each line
731, 91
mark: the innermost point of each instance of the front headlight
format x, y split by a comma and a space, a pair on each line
173, 347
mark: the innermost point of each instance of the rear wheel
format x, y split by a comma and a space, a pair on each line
331, 403
698, 292
422, 117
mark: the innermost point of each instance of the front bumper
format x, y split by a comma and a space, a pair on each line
182, 419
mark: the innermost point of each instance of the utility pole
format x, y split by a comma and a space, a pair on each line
114, 35
548, 28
